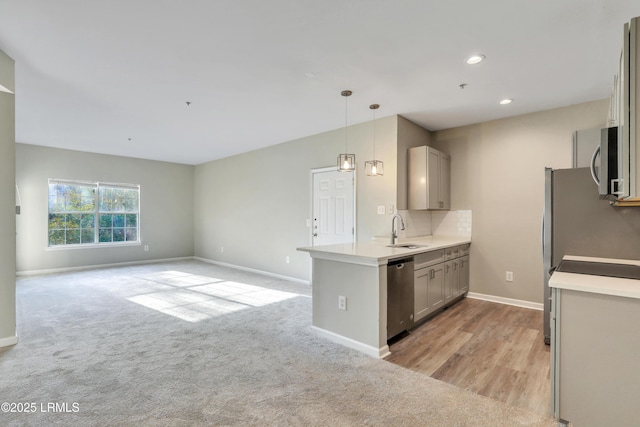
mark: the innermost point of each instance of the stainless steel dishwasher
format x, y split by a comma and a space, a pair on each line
399, 296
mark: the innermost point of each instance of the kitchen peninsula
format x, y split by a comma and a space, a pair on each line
355, 274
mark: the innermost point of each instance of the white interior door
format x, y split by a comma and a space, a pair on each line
333, 208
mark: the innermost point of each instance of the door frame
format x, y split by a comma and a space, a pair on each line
312, 172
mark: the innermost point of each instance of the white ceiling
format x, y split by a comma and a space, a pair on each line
92, 74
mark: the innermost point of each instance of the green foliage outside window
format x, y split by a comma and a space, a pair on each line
75, 208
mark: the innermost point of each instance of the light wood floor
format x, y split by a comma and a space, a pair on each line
492, 349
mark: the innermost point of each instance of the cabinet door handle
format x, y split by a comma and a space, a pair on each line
446, 268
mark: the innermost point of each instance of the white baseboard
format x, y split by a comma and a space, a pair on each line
155, 261
90, 267
379, 353
8, 341
507, 301
253, 270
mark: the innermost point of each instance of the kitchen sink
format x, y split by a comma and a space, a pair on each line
407, 246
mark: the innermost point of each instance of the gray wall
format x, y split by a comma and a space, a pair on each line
365, 319
7, 205
166, 206
255, 205
497, 171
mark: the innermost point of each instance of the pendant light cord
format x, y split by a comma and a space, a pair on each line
374, 107
346, 94
374, 133
346, 140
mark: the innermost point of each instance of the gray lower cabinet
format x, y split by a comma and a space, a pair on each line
421, 293
451, 253
595, 380
435, 287
429, 290
463, 275
439, 278
428, 282
451, 278
456, 277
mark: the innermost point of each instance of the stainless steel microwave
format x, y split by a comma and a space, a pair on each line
606, 165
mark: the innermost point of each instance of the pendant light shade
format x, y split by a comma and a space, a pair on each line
346, 162
374, 167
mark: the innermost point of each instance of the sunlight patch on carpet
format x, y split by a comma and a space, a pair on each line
195, 298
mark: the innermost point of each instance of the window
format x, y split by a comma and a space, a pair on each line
93, 213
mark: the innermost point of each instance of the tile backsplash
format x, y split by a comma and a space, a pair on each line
442, 223
451, 223
417, 223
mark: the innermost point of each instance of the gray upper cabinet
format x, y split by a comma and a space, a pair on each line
444, 181
429, 182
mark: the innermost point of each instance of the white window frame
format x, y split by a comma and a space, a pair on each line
96, 212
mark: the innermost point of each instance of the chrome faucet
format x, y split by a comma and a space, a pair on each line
394, 228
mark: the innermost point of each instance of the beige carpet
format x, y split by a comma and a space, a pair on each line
188, 343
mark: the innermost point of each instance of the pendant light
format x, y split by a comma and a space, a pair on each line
346, 162
374, 167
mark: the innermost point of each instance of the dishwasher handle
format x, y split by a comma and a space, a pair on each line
400, 263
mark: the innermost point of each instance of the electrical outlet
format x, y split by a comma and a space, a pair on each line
287, 260
146, 248
391, 209
509, 276
342, 303
381, 210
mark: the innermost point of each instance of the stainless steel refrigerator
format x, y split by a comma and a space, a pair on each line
577, 222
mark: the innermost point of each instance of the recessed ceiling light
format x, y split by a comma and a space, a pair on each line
474, 59
506, 101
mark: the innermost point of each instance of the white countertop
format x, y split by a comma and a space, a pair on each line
615, 286
376, 252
